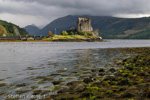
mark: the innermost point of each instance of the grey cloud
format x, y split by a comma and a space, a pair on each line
58, 8
103, 6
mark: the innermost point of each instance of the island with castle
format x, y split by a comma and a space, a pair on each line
82, 32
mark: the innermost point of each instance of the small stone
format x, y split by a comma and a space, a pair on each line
93, 70
75, 83
112, 70
129, 68
80, 88
102, 70
56, 82
127, 95
142, 74
63, 90
124, 82
96, 84
21, 85
101, 74
37, 92
87, 80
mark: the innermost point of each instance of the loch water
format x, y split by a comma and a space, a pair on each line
21, 61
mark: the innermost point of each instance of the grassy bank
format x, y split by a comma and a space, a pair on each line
66, 37
70, 37
130, 81
59, 38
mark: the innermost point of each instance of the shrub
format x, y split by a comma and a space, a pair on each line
2, 31
76, 33
86, 33
89, 33
71, 33
50, 33
82, 33
64, 33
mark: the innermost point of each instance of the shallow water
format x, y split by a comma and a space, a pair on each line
21, 62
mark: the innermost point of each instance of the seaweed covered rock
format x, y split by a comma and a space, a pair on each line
127, 95
129, 81
87, 80
101, 70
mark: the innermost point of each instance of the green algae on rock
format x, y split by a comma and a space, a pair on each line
3, 84
130, 81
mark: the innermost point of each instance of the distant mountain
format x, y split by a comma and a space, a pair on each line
10, 29
110, 27
59, 24
32, 29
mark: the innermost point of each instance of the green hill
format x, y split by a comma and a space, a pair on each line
110, 27
10, 29
32, 29
129, 28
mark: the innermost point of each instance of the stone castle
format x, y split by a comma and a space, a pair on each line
84, 24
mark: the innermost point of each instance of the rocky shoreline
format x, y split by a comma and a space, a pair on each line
129, 81
56, 40
126, 78
78, 40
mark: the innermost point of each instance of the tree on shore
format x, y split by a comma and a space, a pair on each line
3, 31
50, 33
64, 33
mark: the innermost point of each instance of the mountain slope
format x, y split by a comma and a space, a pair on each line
127, 28
110, 27
32, 29
10, 29
59, 24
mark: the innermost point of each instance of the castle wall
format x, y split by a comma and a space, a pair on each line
84, 24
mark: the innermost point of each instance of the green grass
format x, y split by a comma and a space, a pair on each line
68, 37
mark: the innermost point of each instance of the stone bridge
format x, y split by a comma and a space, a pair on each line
31, 37
23, 37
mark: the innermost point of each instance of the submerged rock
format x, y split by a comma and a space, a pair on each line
101, 74
3, 84
37, 92
56, 82
64, 90
21, 85
127, 95
22, 91
87, 80
101, 70
75, 83
112, 70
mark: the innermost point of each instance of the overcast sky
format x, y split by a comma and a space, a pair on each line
42, 12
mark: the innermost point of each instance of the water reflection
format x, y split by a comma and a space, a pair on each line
97, 57
72, 60
84, 56
25, 62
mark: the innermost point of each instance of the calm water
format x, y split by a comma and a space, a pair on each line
16, 58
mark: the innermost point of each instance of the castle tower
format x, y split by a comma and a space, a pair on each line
84, 24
